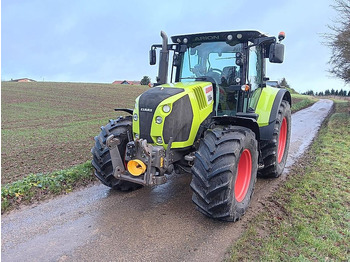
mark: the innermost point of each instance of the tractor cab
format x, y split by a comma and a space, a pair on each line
232, 61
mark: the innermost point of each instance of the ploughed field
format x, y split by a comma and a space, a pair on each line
48, 126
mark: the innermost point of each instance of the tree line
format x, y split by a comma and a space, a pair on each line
328, 92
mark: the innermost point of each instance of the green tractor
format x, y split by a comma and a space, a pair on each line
217, 118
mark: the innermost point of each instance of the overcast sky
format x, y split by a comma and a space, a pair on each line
103, 41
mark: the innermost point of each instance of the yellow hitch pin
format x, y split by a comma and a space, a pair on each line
136, 167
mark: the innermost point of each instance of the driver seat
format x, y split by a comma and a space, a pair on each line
228, 75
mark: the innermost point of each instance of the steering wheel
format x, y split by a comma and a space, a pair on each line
215, 69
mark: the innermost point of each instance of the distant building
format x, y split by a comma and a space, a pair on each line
127, 82
23, 80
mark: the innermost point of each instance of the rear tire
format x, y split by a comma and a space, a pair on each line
224, 173
102, 162
275, 151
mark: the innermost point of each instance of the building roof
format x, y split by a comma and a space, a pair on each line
23, 80
126, 82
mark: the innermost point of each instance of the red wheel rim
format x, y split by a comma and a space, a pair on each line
244, 174
282, 140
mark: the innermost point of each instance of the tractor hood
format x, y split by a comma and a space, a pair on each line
172, 112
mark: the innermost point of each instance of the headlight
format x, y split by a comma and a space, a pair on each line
135, 117
159, 140
159, 119
166, 108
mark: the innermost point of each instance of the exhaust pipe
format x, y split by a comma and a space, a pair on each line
164, 60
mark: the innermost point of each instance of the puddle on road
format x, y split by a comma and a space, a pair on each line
305, 125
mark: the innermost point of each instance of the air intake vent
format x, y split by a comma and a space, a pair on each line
202, 102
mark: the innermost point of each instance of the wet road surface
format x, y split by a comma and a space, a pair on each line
151, 224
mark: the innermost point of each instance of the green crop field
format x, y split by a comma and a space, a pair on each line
48, 126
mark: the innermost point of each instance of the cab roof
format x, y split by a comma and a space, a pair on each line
228, 36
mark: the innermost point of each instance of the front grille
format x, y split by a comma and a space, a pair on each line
178, 124
148, 104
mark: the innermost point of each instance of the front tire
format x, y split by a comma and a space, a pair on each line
275, 151
102, 162
224, 173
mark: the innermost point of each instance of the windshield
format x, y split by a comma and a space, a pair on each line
212, 59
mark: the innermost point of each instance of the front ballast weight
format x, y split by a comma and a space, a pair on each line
146, 164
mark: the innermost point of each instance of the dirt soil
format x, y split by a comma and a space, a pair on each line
48, 126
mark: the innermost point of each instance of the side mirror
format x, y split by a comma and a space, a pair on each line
276, 54
152, 57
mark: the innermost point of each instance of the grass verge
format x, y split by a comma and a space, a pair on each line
308, 217
300, 102
36, 187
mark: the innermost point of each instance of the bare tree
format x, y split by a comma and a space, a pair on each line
339, 41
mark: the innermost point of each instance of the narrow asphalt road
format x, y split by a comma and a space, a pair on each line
151, 224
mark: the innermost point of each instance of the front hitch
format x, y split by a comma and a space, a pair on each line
112, 143
146, 164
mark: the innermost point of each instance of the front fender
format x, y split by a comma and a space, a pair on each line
238, 121
128, 110
267, 109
